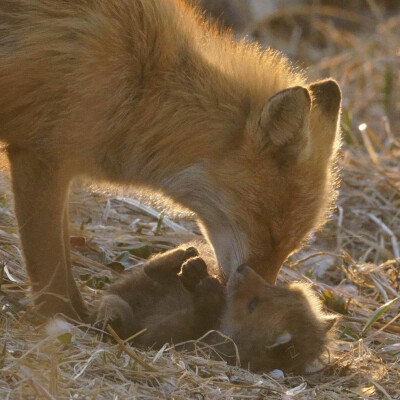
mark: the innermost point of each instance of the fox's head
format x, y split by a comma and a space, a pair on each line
274, 327
277, 182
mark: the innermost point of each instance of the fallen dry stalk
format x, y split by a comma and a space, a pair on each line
129, 351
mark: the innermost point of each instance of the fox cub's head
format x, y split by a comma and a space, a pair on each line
274, 327
278, 182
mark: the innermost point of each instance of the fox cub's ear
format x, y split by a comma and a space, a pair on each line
285, 119
284, 338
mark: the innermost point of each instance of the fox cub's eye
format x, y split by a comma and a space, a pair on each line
253, 304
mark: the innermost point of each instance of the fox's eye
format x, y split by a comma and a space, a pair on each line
253, 304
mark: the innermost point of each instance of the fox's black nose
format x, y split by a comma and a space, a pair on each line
241, 268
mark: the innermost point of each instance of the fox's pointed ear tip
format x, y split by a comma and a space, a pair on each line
329, 87
295, 93
302, 91
327, 94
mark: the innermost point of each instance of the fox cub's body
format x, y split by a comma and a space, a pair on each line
175, 299
144, 92
171, 297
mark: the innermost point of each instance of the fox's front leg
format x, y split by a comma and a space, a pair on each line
74, 294
40, 188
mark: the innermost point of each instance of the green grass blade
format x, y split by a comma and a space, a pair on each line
377, 314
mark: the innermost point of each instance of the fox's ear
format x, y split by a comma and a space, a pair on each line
327, 96
285, 119
326, 102
283, 338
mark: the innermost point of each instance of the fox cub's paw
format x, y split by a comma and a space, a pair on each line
209, 294
190, 252
167, 265
192, 272
117, 312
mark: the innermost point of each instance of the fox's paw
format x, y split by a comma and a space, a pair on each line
192, 272
167, 265
190, 252
115, 311
115, 321
209, 293
51, 305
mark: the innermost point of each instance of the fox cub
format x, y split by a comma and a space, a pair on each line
175, 299
172, 296
146, 93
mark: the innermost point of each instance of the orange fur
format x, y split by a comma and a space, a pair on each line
274, 327
145, 92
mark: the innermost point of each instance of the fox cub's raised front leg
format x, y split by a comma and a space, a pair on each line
208, 292
167, 265
146, 297
192, 272
40, 189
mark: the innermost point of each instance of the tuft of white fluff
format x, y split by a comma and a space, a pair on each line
277, 374
57, 327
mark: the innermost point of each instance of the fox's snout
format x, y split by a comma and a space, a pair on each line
245, 282
238, 278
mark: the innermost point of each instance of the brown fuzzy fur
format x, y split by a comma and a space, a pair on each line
169, 296
286, 330
144, 92
272, 327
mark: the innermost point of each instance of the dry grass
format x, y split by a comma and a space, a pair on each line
353, 263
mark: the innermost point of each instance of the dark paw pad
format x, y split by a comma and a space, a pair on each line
192, 272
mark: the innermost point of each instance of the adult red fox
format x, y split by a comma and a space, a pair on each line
174, 297
145, 93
